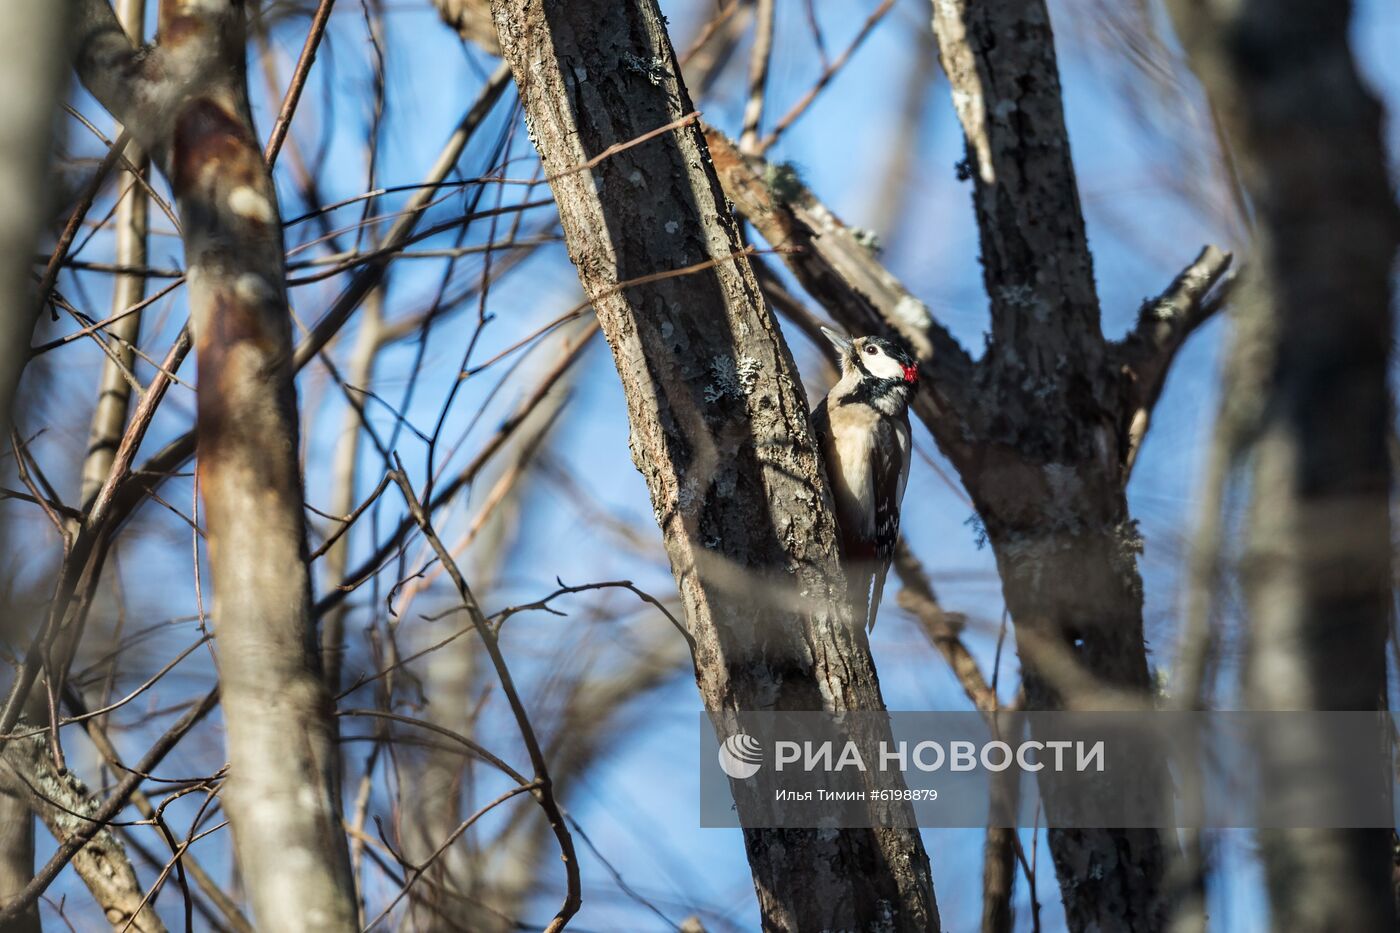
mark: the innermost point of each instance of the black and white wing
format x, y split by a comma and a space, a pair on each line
821, 425
889, 471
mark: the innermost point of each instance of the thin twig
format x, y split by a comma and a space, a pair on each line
104, 814
759, 59
543, 792
830, 72
299, 76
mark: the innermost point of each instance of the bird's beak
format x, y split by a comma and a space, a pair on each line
842, 345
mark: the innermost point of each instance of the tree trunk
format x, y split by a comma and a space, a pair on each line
1316, 318
718, 423
185, 101
132, 220
1039, 431
32, 57
16, 850
1053, 455
1045, 427
65, 805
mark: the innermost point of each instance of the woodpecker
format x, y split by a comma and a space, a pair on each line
863, 428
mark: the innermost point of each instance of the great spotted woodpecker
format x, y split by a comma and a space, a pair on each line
863, 428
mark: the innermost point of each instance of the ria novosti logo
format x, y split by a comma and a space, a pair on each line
740, 756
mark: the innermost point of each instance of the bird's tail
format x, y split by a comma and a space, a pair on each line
877, 590
866, 585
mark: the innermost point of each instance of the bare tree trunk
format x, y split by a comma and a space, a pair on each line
113, 389
33, 57
1043, 431
16, 850
718, 421
463, 895
1045, 428
344, 476
1072, 574
185, 101
1316, 313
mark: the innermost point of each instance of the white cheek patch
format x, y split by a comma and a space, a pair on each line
882, 366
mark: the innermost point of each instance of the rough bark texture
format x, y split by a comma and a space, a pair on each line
1316, 317
1050, 471
185, 101
718, 421
1044, 428
65, 805
1045, 467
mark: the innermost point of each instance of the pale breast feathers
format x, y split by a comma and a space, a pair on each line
852, 437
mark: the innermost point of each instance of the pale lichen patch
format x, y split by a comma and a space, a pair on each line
253, 289
732, 378
247, 203
912, 312
653, 69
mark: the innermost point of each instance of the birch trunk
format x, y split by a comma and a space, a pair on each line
185, 102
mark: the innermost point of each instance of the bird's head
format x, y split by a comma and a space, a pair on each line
875, 360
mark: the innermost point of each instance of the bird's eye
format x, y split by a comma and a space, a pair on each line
872, 351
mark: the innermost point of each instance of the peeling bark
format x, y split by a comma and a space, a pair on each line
1316, 328
718, 424
185, 101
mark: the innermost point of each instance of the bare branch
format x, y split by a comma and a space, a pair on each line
541, 786
759, 58
942, 628
126, 78
472, 20
65, 804
826, 77
840, 271
102, 815
228, 911
1146, 353
1000, 60
113, 391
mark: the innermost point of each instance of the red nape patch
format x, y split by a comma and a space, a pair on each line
911, 374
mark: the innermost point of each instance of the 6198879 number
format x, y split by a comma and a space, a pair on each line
904, 793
